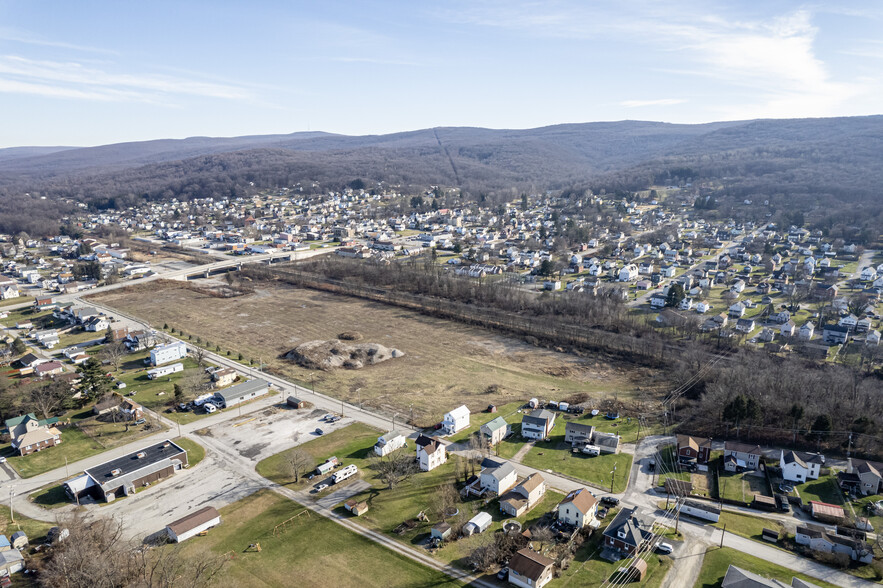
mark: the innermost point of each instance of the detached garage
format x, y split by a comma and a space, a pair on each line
193, 524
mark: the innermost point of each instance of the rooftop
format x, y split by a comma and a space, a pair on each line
130, 463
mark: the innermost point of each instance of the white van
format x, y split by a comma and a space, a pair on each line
347, 472
209, 407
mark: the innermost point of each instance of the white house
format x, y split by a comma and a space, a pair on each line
578, 508
389, 442
456, 420
806, 331
498, 477
800, 467
628, 273
430, 453
166, 353
702, 307
193, 524
529, 569
495, 430
868, 274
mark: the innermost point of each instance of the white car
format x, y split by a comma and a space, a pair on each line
664, 548
209, 407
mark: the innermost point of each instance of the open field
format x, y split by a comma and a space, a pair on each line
718, 559
742, 486
748, 526
314, 551
445, 363
824, 489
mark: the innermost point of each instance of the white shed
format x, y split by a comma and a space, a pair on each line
478, 524
193, 524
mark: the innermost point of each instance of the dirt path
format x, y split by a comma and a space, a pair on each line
522, 452
686, 567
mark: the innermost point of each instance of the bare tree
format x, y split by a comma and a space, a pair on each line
199, 355
193, 383
395, 468
486, 555
113, 353
298, 462
50, 397
444, 500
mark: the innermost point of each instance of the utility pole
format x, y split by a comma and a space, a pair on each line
66, 473
723, 532
341, 408
11, 511
612, 478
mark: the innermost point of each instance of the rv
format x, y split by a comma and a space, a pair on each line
347, 472
200, 400
165, 370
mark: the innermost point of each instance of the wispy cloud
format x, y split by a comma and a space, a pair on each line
374, 60
75, 80
659, 102
25, 38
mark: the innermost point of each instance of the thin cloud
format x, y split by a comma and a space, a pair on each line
30, 39
660, 102
75, 80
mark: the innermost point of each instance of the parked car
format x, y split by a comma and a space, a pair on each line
610, 500
664, 548
320, 487
2, 459
503, 574
140, 421
121, 385
319, 432
209, 407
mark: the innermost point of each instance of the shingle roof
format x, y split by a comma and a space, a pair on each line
581, 499
530, 564
193, 520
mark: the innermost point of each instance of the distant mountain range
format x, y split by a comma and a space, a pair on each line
840, 157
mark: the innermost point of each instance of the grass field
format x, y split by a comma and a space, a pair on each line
445, 363
741, 486
596, 471
717, 560
746, 525
822, 490
314, 551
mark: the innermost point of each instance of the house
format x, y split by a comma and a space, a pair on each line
241, 393
524, 496
737, 310
820, 539
29, 360
9, 290
741, 456
538, 424
657, 300
165, 370
96, 324
166, 353
861, 477
787, 329
607, 442
497, 477
739, 578
430, 453
49, 368
223, 377
628, 532
578, 434
872, 338
868, 274
193, 524
389, 442
529, 569
456, 420
744, 325
806, 331
708, 511
30, 434
578, 508
628, 273
693, 451
124, 475
495, 430
131, 410
800, 467
833, 334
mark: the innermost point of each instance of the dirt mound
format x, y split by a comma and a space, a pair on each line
328, 355
350, 336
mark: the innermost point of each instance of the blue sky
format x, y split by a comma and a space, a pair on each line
89, 73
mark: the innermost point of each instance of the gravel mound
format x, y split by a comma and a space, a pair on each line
329, 355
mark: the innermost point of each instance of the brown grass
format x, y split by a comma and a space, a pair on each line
445, 363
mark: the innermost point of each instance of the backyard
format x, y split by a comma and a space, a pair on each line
718, 560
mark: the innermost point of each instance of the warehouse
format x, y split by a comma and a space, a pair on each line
241, 393
122, 476
193, 524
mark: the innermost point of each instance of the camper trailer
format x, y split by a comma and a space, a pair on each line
347, 472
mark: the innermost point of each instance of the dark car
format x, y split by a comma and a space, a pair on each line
610, 500
319, 432
503, 574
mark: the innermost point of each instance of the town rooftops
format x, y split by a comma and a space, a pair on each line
532, 482
131, 463
428, 444
530, 564
539, 416
499, 472
496, 424
743, 448
193, 520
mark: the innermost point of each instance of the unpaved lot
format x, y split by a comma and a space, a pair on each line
445, 363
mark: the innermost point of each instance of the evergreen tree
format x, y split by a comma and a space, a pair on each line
675, 295
93, 383
18, 346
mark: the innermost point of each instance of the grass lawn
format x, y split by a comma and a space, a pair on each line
741, 486
861, 509
822, 490
19, 300
27, 314
596, 471
717, 560
746, 525
195, 451
50, 497
669, 468
588, 569
156, 394
351, 445
313, 551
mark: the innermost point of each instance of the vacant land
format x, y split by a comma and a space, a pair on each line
824, 489
717, 560
445, 363
742, 486
313, 551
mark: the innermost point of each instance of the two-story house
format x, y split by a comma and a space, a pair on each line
578, 508
431, 453
538, 424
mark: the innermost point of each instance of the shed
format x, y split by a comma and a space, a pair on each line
440, 531
637, 570
478, 524
356, 507
329, 465
5, 545
764, 502
193, 524
295, 402
826, 512
770, 535
19, 540
11, 561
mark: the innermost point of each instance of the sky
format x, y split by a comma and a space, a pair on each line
89, 73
